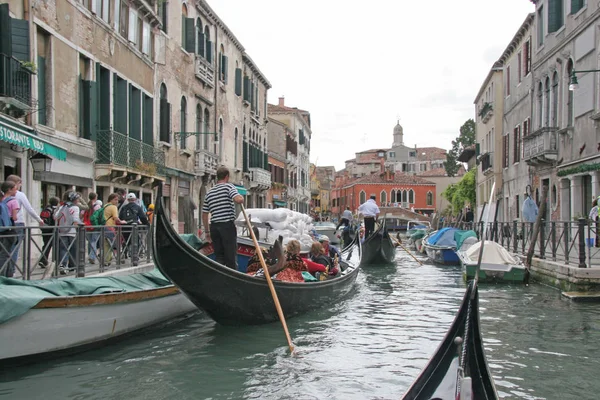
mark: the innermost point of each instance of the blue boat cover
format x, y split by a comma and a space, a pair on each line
443, 237
18, 296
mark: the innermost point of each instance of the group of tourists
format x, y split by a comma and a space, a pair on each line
59, 221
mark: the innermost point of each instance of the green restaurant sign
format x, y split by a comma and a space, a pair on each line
28, 141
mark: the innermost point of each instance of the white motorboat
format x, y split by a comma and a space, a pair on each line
327, 228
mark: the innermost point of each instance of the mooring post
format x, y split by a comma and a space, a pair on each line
581, 233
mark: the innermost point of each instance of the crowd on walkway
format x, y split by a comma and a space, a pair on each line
59, 222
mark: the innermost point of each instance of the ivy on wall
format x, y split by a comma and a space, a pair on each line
580, 169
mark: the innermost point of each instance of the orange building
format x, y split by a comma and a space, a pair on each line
391, 190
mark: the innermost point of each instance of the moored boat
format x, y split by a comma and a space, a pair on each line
497, 264
378, 248
71, 314
441, 245
328, 229
231, 297
458, 369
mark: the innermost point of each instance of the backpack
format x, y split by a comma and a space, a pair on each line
97, 218
129, 214
5, 219
47, 216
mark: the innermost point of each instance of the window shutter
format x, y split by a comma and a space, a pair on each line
189, 35
246, 89
555, 15
209, 52
41, 75
148, 118
120, 105
576, 5
19, 31
245, 156
238, 81
225, 67
251, 95
165, 121
201, 40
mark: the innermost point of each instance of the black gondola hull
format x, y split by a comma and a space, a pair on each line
233, 298
378, 248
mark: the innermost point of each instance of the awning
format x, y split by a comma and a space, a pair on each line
280, 203
18, 136
241, 190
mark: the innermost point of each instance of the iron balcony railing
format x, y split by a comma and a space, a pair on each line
15, 81
118, 149
486, 162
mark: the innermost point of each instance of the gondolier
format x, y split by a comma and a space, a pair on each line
370, 212
346, 218
220, 204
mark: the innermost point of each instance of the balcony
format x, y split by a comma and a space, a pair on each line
486, 162
291, 158
205, 162
260, 179
486, 112
205, 71
314, 189
115, 151
15, 86
541, 147
303, 193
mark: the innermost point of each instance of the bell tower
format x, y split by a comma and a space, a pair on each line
398, 135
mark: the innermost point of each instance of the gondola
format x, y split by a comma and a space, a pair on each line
458, 368
231, 297
378, 248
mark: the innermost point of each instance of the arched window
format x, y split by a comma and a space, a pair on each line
199, 38
429, 198
164, 116
547, 103
235, 149
184, 14
362, 197
220, 135
222, 65
569, 95
555, 99
393, 196
383, 197
207, 45
198, 127
405, 196
411, 196
206, 138
540, 105
183, 121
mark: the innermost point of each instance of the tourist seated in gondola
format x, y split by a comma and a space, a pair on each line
330, 250
318, 256
288, 271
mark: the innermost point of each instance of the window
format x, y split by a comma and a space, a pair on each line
429, 198
547, 103
220, 137
519, 67
102, 9
162, 14
569, 95
222, 65
412, 154
540, 105
393, 196
135, 113
508, 80
392, 154
43, 74
188, 31
133, 27
505, 142
146, 39
411, 196
362, 197
164, 116
540, 26
383, 197
124, 20
207, 45
183, 121
199, 38
517, 144
555, 15
404, 196
206, 138
576, 5
235, 148
198, 127
527, 52
555, 99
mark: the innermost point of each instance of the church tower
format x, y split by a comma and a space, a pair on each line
398, 135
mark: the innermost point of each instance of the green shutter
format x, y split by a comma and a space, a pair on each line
209, 52
148, 118
245, 156
104, 99
120, 105
87, 114
555, 15
189, 35
225, 67
201, 43
246, 89
238, 81
165, 121
252, 95
19, 29
41, 75
5, 36
576, 5
92, 122
135, 129
266, 161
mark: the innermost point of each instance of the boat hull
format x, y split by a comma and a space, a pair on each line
234, 298
62, 324
441, 255
495, 273
378, 248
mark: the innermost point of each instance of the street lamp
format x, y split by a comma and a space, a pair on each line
574, 84
40, 162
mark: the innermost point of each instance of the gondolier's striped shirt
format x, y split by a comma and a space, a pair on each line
219, 203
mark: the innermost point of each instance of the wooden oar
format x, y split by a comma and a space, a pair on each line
269, 281
405, 249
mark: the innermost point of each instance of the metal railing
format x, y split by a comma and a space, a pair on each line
571, 242
26, 252
15, 80
116, 148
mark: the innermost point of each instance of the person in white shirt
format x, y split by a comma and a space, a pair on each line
345, 219
23, 205
370, 212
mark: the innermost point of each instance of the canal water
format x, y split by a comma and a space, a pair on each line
371, 345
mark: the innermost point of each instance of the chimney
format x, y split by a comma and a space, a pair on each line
282, 101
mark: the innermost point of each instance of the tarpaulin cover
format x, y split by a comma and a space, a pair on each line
443, 237
493, 253
418, 234
18, 296
460, 236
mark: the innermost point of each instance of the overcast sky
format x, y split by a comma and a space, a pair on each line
359, 66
